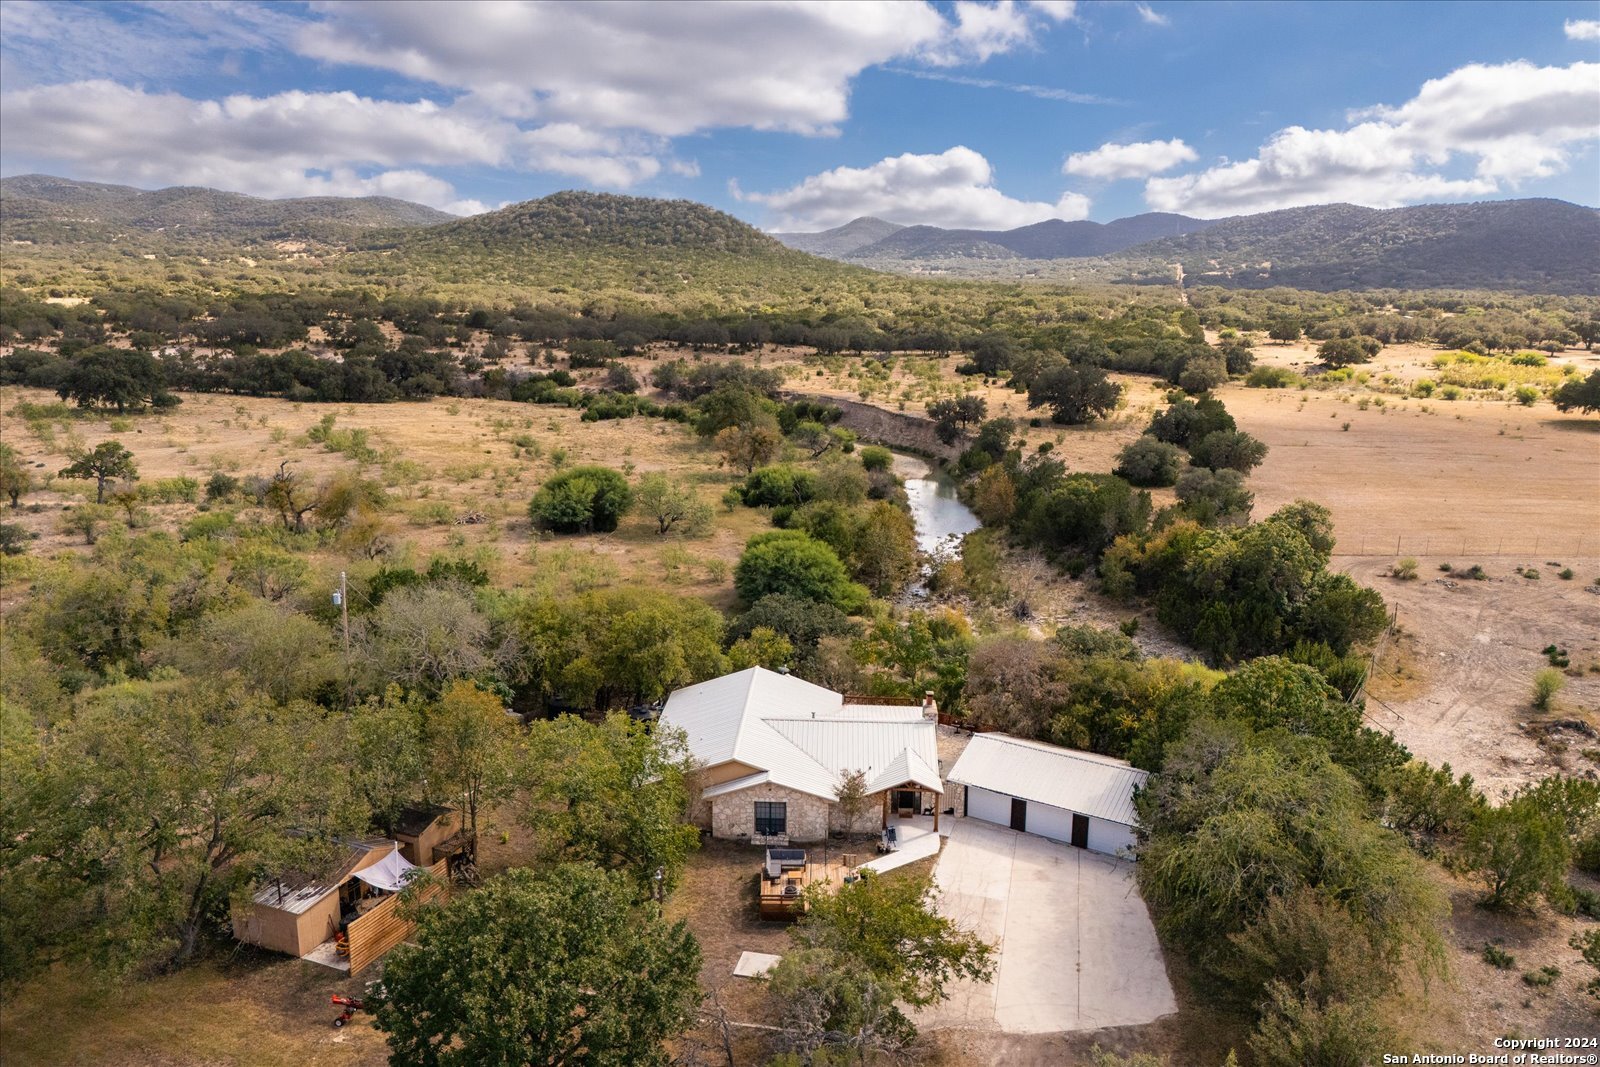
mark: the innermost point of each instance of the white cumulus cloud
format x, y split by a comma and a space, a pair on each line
1582, 29
290, 144
1507, 123
1112, 162
954, 188
1150, 17
664, 68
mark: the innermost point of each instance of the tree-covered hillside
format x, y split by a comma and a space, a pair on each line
1544, 246
42, 208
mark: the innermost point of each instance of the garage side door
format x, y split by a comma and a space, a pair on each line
988, 805
1110, 837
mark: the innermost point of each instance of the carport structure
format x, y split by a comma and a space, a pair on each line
1079, 798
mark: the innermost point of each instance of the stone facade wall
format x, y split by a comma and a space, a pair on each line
733, 815
870, 821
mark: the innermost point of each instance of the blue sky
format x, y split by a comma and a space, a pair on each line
800, 115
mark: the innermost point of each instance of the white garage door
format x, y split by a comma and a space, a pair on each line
989, 806
1049, 821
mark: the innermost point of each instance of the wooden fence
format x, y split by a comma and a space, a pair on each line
384, 927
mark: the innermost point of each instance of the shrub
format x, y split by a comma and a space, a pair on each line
583, 499
1272, 378
13, 539
1228, 450
793, 563
1546, 684
1527, 395
221, 486
1149, 462
1405, 570
1476, 573
779, 485
876, 458
1495, 956
1542, 978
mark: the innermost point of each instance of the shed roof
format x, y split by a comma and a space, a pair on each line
1093, 785
296, 894
801, 736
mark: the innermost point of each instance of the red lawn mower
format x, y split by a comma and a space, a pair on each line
351, 1005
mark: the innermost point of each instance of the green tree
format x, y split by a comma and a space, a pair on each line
1284, 330
1272, 692
1345, 351
794, 563
471, 750
1148, 462
761, 647
558, 967
385, 754
1519, 850
582, 500
281, 653
1075, 394
1576, 395
108, 461
890, 928
114, 377
748, 447
1228, 450
614, 794
160, 801
15, 479
672, 504
852, 799
615, 648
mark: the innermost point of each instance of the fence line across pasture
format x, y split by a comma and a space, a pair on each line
1535, 547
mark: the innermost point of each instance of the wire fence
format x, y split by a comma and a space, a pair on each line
1527, 547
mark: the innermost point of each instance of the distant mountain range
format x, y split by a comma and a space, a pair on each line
42, 207
630, 243
868, 238
1533, 245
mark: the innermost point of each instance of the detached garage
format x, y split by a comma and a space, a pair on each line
1060, 793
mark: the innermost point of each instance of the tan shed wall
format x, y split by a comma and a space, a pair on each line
283, 931
421, 852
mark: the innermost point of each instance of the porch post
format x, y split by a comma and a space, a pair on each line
885, 824
938, 798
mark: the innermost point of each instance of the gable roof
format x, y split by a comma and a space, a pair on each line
1093, 785
802, 736
297, 893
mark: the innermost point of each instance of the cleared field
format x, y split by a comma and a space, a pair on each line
459, 474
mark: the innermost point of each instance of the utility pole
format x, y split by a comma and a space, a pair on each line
342, 599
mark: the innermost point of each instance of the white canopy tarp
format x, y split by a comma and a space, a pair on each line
389, 873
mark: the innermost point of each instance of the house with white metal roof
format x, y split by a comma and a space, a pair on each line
1077, 797
773, 751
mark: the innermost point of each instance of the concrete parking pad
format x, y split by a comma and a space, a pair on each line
1076, 948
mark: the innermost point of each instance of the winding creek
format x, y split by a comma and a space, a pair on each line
939, 515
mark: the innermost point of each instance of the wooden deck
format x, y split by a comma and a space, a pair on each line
775, 903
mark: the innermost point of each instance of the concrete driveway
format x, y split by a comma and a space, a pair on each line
1077, 950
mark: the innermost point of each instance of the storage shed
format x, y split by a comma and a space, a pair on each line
1060, 793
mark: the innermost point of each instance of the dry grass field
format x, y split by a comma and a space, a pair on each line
442, 461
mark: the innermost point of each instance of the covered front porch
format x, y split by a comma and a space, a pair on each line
908, 801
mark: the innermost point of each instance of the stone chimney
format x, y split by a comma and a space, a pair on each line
930, 707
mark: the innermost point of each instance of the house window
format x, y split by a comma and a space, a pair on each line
772, 817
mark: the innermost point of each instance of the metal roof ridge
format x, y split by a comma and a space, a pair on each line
1070, 753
